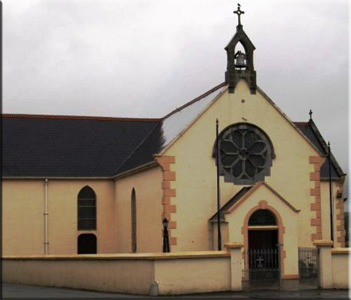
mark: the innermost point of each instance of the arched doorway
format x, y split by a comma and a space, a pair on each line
263, 230
262, 256
87, 244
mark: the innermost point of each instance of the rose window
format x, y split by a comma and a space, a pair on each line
246, 154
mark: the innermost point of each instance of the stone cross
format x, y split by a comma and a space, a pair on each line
239, 12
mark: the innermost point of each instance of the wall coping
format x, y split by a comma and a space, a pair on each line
233, 245
125, 256
323, 243
337, 251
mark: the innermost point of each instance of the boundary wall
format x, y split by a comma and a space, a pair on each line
142, 274
157, 273
334, 264
340, 267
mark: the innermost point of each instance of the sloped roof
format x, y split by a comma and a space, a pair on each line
145, 152
230, 203
67, 146
310, 130
241, 197
176, 121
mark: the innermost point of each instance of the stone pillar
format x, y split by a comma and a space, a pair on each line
235, 265
325, 263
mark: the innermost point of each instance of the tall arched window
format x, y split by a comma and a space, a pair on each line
134, 221
86, 209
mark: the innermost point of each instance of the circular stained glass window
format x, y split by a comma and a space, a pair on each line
246, 154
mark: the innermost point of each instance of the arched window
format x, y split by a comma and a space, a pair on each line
134, 221
87, 244
262, 217
246, 153
86, 209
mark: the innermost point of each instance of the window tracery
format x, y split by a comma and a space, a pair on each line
246, 154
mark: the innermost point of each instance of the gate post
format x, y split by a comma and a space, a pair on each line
235, 265
325, 263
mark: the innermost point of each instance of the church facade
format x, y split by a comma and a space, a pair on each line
104, 185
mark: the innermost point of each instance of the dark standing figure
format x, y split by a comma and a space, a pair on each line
165, 236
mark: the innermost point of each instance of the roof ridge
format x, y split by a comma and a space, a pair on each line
75, 117
195, 100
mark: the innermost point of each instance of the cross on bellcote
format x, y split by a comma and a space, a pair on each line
239, 12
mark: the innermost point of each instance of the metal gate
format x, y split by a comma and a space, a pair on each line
309, 267
262, 269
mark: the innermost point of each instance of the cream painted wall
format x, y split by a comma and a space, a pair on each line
214, 235
289, 218
196, 171
193, 275
341, 268
146, 274
148, 188
22, 222
24, 200
104, 275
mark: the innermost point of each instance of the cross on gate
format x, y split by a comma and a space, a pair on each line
260, 260
308, 258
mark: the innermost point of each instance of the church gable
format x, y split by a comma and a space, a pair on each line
245, 194
272, 194
242, 108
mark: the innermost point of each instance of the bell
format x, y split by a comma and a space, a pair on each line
240, 60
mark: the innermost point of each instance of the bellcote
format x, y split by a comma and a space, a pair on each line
240, 64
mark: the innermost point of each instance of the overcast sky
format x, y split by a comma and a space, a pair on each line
144, 58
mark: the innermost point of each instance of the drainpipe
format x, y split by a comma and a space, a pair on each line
210, 235
330, 197
46, 242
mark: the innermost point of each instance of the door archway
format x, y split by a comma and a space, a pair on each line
263, 230
263, 243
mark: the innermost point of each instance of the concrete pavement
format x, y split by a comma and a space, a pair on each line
11, 291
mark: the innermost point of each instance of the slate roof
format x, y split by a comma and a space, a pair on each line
63, 146
230, 203
145, 152
310, 130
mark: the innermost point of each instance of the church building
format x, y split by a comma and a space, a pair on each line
77, 184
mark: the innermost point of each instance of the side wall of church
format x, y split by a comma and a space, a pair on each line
24, 200
23, 226
148, 192
195, 167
